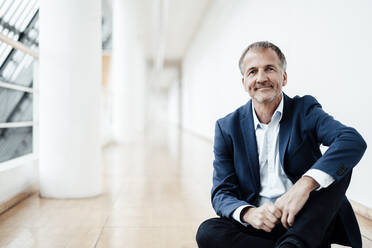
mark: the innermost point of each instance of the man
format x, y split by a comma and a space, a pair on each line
272, 187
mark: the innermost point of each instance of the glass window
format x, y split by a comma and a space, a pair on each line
15, 106
19, 21
15, 142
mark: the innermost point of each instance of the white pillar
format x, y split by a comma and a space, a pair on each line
128, 73
70, 75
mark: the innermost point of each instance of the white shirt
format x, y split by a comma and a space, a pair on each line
274, 181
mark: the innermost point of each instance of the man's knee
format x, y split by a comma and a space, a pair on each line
210, 232
203, 233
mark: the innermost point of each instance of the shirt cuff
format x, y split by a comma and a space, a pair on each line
236, 214
322, 178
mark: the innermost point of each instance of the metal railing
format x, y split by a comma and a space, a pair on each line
19, 46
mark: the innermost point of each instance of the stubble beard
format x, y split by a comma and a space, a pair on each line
262, 99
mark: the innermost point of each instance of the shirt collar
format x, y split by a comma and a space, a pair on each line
278, 113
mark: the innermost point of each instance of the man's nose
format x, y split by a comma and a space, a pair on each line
261, 76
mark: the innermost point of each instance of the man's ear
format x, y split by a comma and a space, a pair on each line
284, 79
244, 86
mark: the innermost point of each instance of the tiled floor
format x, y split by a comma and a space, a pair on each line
156, 194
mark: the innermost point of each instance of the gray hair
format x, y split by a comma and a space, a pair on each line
263, 45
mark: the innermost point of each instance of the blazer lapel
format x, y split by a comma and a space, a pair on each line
250, 144
285, 127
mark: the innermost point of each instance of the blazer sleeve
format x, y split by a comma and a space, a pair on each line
225, 190
346, 145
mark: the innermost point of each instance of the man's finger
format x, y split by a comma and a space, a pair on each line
271, 217
275, 211
266, 228
269, 224
284, 219
290, 219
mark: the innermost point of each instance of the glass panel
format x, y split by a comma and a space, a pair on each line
15, 142
32, 34
37, 26
2, 49
5, 8
5, 53
5, 31
10, 12
17, 13
22, 74
1, 6
11, 35
29, 15
20, 67
10, 67
16, 36
23, 15
18, 56
28, 61
15, 106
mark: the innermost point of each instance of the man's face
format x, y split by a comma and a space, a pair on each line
263, 76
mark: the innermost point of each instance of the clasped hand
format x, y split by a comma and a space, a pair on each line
284, 209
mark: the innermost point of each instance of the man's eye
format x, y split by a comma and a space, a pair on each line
251, 72
269, 69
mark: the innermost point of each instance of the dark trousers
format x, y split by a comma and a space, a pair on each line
313, 226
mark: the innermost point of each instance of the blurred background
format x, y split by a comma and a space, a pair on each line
105, 99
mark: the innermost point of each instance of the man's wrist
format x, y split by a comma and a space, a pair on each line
309, 183
243, 213
321, 177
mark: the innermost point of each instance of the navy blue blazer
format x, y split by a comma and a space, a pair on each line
303, 127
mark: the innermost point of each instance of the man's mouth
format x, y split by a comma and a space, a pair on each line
263, 87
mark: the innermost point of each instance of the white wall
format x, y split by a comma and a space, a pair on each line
327, 45
173, 103
17, 176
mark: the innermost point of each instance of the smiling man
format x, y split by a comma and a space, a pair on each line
272, 187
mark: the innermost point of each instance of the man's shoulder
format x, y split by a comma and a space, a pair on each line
306, 99
305, 103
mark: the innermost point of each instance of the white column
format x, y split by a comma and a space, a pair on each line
128, 73
70, 75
